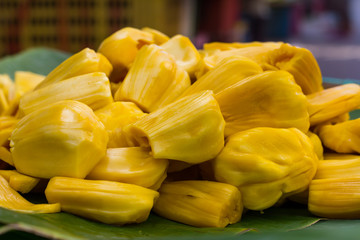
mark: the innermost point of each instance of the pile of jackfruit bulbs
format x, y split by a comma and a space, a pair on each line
198, 136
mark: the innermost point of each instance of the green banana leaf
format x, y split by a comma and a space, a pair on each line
290, 221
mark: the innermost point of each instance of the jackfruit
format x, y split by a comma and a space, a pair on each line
298, 61
83, 62
10, 199
228, 72
159, 37
269, 99
26, 81
319, 150
333, 102
341, 137
19, 182
339, 166
105, 201
200, 203
335, 197
266, 164
61, 139
132, 165
92, 89
154, 80
121, 48
186, 55
191, 129
115, 116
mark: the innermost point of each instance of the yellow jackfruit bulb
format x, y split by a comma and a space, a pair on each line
341, 137
154, 80
19, 182
26, 81
266, 164
339, 166
186, 55
10, 199
236, 45
159, 37
115, 116
92, 89
255, 52
269, 99
121, 47
228, 72
132, 165
4, 103
105, 201
301, 63
5, 156
61, 139
83, 62
340, 156
200, 203
335, 197
318, 147
191, 129
333, 102
7, 86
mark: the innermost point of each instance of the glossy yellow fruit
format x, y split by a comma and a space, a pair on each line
333, 102
61, 139
200, 203
115, 116
105, 201
341, 137
269, 99
191, 129
92, 89
121, 48
154, 80
12, 200
266, 164
83, 62
132, 165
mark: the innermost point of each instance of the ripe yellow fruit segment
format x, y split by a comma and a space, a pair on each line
104, 201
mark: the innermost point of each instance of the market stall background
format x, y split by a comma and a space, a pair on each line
329, 28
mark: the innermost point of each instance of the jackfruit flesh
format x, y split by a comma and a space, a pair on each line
200, 203
26, 81
122, 47
19, 182
61, 139
104, 201
266, 164
83, 62
186, 55
159, 37
115, 116
269, 99
191, 129
154, 80
132, 165
335, 197
92, 89
228, 72
10, 199
298, 61
318, 147
333, 102
339, 166
341, 137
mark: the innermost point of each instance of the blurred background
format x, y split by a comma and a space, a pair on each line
329, 28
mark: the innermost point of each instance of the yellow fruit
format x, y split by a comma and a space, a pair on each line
200, 203
61, 139
105, 201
